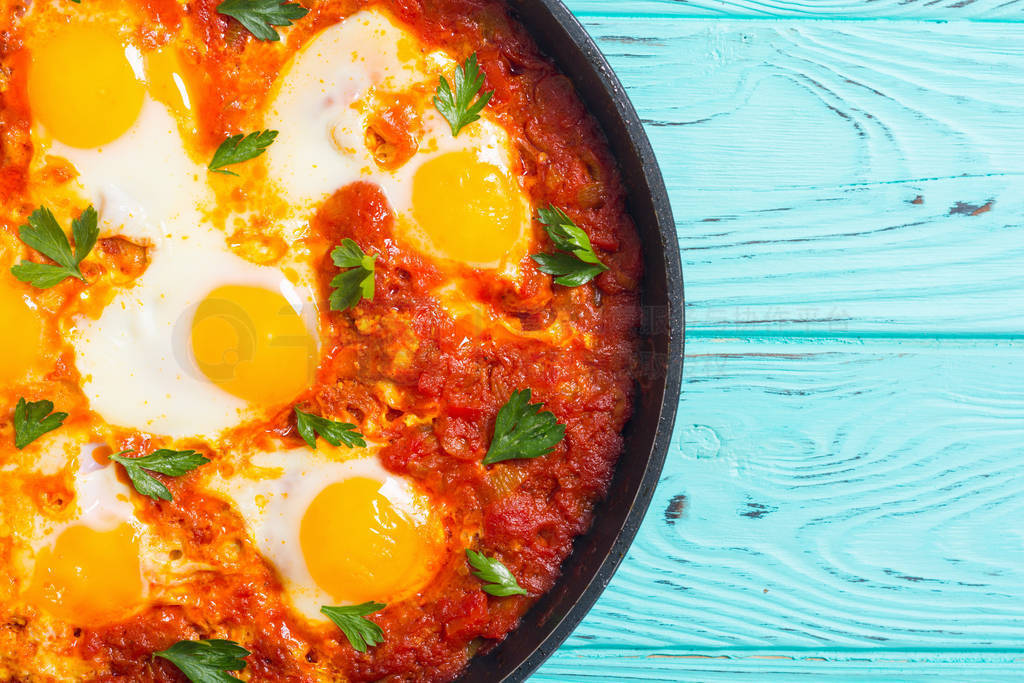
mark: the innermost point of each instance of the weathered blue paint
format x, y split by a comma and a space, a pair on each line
845, 493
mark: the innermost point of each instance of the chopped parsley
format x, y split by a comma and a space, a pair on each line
360, 631
239, 148
206, 661
260, 16
32, 419
497, 577
45, 236
458, 107
164, 461
576, 263
355, 284
334, 433
522, 430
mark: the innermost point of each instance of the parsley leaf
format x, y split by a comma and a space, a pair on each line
164, 461
206, 661
500, 581
579, 264
239, 148
257, 16
33, 419
334, 433
360, 631
522, 431
459, 108
45, 236
357, 282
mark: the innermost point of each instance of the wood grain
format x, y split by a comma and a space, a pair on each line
930, 10
626, 665
886, 160
826, 498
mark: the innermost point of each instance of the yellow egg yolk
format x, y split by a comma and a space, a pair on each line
82, 87
88, 576
19, 344
252, 343
467, 209
165, 76
359, 545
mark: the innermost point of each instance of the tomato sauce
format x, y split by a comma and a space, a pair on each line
528, 511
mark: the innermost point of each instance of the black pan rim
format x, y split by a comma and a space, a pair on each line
564, 39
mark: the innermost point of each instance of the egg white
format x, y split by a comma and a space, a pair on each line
136, 359
274, 493
325, 98
102, 503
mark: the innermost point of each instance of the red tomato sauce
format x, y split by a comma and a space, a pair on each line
529, 511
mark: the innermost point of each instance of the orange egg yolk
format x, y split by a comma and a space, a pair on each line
359, 545
252, 343
88, 576
467, 209
81, 85
19, 344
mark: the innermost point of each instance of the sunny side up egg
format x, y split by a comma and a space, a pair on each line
203, 339
85, 558
325, 108
338, 527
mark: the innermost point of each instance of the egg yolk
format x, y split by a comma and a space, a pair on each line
88, 576
252, 343
166, 81
359, 546
19, 344
82, 87
467, 208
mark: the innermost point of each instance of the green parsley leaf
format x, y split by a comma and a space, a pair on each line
164, 461
33, 419
356, 283
522, 431
258, 16
500, 581
360, 631
334, 433
45, 236
239, 148
206, 661
579, 264
459, 108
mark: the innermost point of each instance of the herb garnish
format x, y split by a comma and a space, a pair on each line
521, 430
33, 419
459, 109
360, 631
334, 433
578, 264
164, 461
45, 236
357, 282
206, 661
500, 581
259, 16
239, 148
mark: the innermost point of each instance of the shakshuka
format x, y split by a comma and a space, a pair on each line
319, 336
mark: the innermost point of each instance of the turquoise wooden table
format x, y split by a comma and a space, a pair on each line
844, 498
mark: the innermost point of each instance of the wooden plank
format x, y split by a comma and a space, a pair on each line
932, 10
626, 665
838, 177
842, 501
